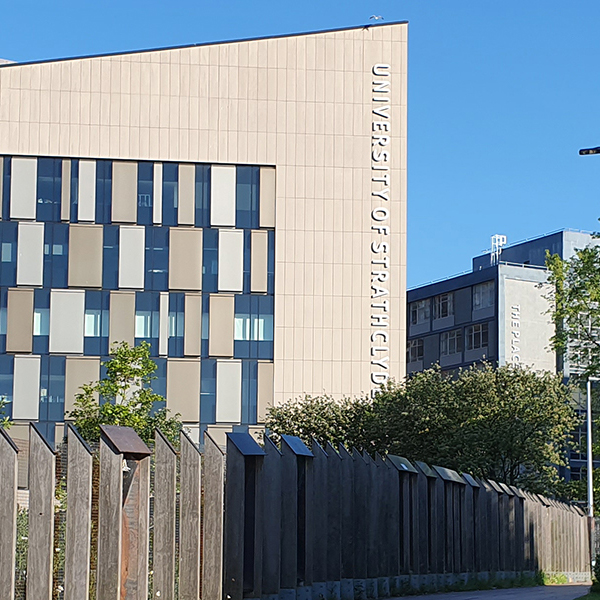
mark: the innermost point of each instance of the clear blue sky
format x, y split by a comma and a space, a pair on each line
501, 97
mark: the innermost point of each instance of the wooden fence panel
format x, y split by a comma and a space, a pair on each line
79, 517
40, 549
320, 519
334, 509
214, 479
8, 515
189, 531
348, 534
165, 490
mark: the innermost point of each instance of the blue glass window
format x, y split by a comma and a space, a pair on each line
74, 190
210, 260
8, 253
205, 325
176, 324
246, 197
103, 191
6, 381
6, 188
208, 391
96, 321
52, 388
110, 266
247, 260
56, 255
159, 383
157, 259
145, 191
202, 217
3, 304
41, 320
249, 391
253, 331
147, 322
49, 177
170, 197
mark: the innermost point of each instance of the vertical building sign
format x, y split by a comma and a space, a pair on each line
380, 225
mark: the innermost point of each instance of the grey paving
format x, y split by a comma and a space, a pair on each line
551, 592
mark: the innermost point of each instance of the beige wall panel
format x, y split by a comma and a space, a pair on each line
229, 391
231, 260
163, 319
132, 253
124, 192
19, 321
187, 185
185, 259
192, 337
26, 388
122, 317
85, 255
264, 389
65, 193
258, 261
267, 188
30, 256
67, 308
221, 324
86, 200
183, 389
157, 194
23, 188
79, 371
222, 196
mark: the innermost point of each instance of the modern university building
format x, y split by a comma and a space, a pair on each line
241, 206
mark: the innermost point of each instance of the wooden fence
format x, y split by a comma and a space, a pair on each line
271, 522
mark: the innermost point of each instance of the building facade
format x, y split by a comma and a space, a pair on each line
240, 206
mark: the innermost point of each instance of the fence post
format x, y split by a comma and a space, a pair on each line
271, 522
295, 517
79, 516
334, 522
242, 557
212, 556
320, 523
348, 534
470, 524
361, 483
189, 519
165, 480
123, 514
8, 515
40, 548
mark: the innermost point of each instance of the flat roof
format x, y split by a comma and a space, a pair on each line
219, 43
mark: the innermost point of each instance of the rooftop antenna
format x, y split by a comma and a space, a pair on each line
498, 241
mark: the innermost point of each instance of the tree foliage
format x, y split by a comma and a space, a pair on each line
5, 422
126, 398
575, 298
508, 424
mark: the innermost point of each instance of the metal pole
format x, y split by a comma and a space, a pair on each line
590, 464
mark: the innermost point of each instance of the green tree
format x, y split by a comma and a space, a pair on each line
5, 422
508, 424
126, 398
575, 299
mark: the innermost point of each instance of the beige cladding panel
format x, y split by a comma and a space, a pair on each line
220, 332
124, 192
183, 389
185, 259
192, 337
187, 183
85, 255
67, 310
30, 257
258, 261
122, 317
222, 196
26, 388
267, 188
19, 321
229, 391
264, 389
23, 187
79, 371
65, 192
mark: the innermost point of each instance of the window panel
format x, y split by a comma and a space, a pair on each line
246, 198
443, 306
49, 189
483, 295
477, 336
451, 342
145, 192
170, 194
202, 199
104, 185
414, 351
419, 312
